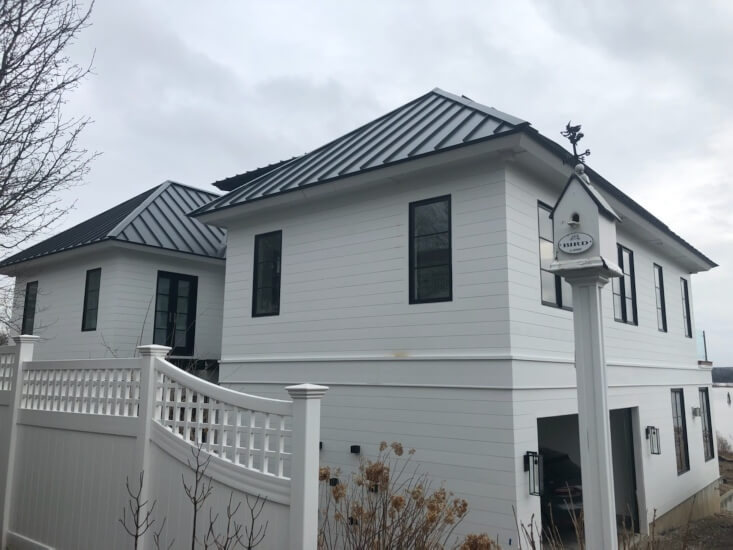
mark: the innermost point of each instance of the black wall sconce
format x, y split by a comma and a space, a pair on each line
652, 434
355, 449
333, 481
320, 445
533, 465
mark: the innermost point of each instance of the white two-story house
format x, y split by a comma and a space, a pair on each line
404, 265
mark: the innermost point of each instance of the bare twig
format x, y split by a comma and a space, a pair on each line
141, 515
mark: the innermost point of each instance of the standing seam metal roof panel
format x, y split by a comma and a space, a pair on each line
158, 218
432, 122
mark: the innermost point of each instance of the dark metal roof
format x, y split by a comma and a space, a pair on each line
230, 184
158, 217
432, 123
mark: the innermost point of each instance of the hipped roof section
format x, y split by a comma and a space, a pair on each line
433, 123
157, 218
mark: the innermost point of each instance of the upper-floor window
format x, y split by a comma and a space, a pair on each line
707, 430
266, 278
686, 307
659, 291
624, 288
430, 251
29, 307
555, 290
680, 431
91, 299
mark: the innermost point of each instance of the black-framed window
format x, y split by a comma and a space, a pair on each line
659, 292
266, 277
686, 320
707, 426
624, 288
91, 299
29, 307
555, 290
175, 312
430, 251
680, 431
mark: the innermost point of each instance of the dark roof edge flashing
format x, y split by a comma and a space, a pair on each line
196, 213
616, 193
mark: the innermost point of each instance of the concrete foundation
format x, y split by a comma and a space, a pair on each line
705, 502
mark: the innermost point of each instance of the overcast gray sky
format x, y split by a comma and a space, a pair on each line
198, 91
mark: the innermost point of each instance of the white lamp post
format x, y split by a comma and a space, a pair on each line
585, 254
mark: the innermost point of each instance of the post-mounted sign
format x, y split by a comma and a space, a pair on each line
575, 243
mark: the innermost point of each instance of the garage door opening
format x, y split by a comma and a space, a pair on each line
562, 491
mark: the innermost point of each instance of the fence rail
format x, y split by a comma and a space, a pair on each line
252, 440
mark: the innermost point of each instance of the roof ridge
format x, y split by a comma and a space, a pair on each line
471, 104
120, 227
192, 187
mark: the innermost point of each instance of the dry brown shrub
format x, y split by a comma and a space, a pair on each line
386, 504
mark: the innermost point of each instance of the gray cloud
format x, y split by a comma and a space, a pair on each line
197, 92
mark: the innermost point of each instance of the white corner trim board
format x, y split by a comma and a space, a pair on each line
19, 542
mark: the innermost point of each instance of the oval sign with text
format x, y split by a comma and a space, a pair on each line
575, 243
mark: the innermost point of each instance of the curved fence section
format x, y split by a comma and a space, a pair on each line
72, 432
246, 430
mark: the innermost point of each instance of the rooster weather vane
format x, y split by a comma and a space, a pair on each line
574, 135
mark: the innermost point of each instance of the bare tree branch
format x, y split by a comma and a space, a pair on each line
39, 150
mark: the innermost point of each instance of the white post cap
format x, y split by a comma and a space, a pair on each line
153, 350
306, 391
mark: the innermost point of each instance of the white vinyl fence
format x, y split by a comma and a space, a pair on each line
73, 432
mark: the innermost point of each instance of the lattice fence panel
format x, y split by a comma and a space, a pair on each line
252, 439
7, 365
109, 391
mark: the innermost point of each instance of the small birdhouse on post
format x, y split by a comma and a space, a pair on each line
585, 230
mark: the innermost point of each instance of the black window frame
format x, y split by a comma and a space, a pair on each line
86, 325
175, 279
686, 319
559, 281
659, 295
620, 284
275, 283
29, 307
682, 452
708, 441
412, 237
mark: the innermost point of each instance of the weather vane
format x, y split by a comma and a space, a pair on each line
574, 135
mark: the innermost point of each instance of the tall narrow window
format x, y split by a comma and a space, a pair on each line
686, 308
680, 431
91, 299
175, 312
430, 251
266, 285
29, 307
555, 290
707, 429
659, 291
624, 288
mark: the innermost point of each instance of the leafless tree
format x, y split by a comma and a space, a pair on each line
201, 487
39, 150
141, 515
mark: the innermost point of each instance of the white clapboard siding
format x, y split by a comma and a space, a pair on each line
537, 328
126, 302
344, 270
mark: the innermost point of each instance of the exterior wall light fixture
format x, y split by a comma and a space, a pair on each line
652, 434
533, 465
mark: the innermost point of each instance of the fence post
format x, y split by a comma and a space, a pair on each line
304, 469
24, 352
146, 409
